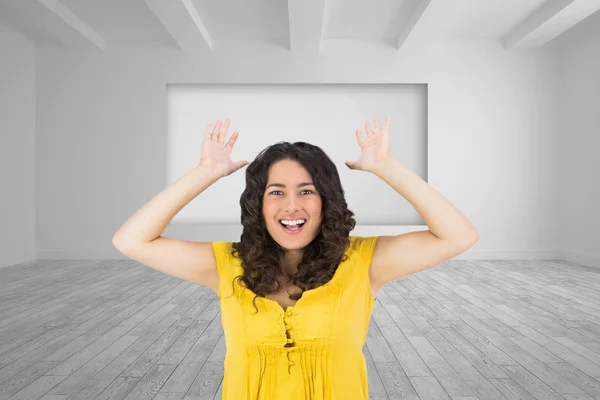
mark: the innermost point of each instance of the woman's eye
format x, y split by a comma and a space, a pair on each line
279, 191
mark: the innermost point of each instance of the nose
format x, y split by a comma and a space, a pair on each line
292, 203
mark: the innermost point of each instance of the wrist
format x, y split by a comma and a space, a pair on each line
208, 171
384, 165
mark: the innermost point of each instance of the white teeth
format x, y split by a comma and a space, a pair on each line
299, 221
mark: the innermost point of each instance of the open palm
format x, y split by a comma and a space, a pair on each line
215, 153
375, 148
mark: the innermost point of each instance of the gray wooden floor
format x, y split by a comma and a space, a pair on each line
462, 330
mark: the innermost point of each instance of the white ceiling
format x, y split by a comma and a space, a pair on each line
193, 25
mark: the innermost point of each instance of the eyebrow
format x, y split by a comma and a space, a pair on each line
282, 185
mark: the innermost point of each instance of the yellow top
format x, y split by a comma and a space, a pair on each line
327, 329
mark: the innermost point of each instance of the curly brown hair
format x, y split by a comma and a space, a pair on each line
261, 255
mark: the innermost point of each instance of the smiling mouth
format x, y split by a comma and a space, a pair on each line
293, 229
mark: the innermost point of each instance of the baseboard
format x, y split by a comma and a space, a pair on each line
17, 257
579, 257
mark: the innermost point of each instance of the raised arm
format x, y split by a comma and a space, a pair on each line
140, 236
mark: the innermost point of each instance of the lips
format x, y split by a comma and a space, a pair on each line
292, 231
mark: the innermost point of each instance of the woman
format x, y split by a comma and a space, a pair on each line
297, 291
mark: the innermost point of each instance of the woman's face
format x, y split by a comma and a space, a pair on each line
290, 195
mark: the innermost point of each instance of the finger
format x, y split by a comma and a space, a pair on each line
223, 133
387, 123
215, 134
361, 140
369, 131
377, 127
232, 140
207, 131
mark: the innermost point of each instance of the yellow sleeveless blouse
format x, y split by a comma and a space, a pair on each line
313, 350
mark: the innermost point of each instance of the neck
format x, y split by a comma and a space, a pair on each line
290, 262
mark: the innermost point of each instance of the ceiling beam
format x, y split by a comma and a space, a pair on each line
182, 21
60, 22
418, 9
308, 23
548, 21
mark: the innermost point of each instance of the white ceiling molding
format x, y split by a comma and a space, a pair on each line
419, 7
182, 21
61, 22
312, 26
548, 21
307, 23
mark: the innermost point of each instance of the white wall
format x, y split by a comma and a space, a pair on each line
492, 135
580, 141
17, 148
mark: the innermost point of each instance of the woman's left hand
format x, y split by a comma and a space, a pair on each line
374, 149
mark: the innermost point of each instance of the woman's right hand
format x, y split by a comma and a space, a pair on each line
215, 154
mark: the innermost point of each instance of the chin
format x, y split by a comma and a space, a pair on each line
295, 246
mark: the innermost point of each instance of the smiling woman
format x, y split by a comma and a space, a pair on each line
293, 223
297, 237
297, 291
295, 207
